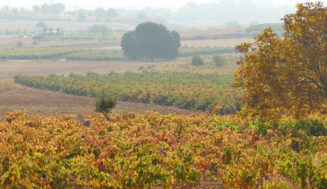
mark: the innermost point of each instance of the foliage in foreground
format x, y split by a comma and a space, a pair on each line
168, 151
193, 91
287, 76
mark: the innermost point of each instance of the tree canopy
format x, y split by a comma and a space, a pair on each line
150, 40
56, 8
287, 75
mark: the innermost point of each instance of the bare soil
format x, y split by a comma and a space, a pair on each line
47, 103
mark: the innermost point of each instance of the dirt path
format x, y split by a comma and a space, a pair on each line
46, 102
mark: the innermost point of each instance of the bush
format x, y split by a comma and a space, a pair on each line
219, 61
312, 127
19, 44
104, 103
197, 60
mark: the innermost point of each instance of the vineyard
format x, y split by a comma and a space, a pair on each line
92, 55
161, 151
33, 53
204, 92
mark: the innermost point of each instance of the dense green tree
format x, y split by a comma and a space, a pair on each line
81, 17
104, 104
219, 61
151, 40
19, 44
197, 60
41, 25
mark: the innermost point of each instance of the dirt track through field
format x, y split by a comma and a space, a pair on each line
46, 102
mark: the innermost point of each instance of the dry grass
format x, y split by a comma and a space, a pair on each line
7, 86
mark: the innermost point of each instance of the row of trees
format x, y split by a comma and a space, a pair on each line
99, 14
56, 8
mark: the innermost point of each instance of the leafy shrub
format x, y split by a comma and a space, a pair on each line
219, 61
197, 60
104, 103
312, 127
19, 44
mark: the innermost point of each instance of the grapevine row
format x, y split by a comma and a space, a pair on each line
92, 55
161, 151
203, 92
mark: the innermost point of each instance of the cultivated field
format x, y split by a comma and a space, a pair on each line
8, 69
47, 103
13, 96
112, 44
76, 112
51, 103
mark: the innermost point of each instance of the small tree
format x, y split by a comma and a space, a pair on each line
81, 17
19, 44
197, 60
41, 25
104, 104
219, 61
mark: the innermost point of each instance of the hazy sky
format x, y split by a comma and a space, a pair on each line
90, 4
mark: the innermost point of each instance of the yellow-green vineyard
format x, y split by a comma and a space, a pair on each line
93, 55
203, 92
166, 151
